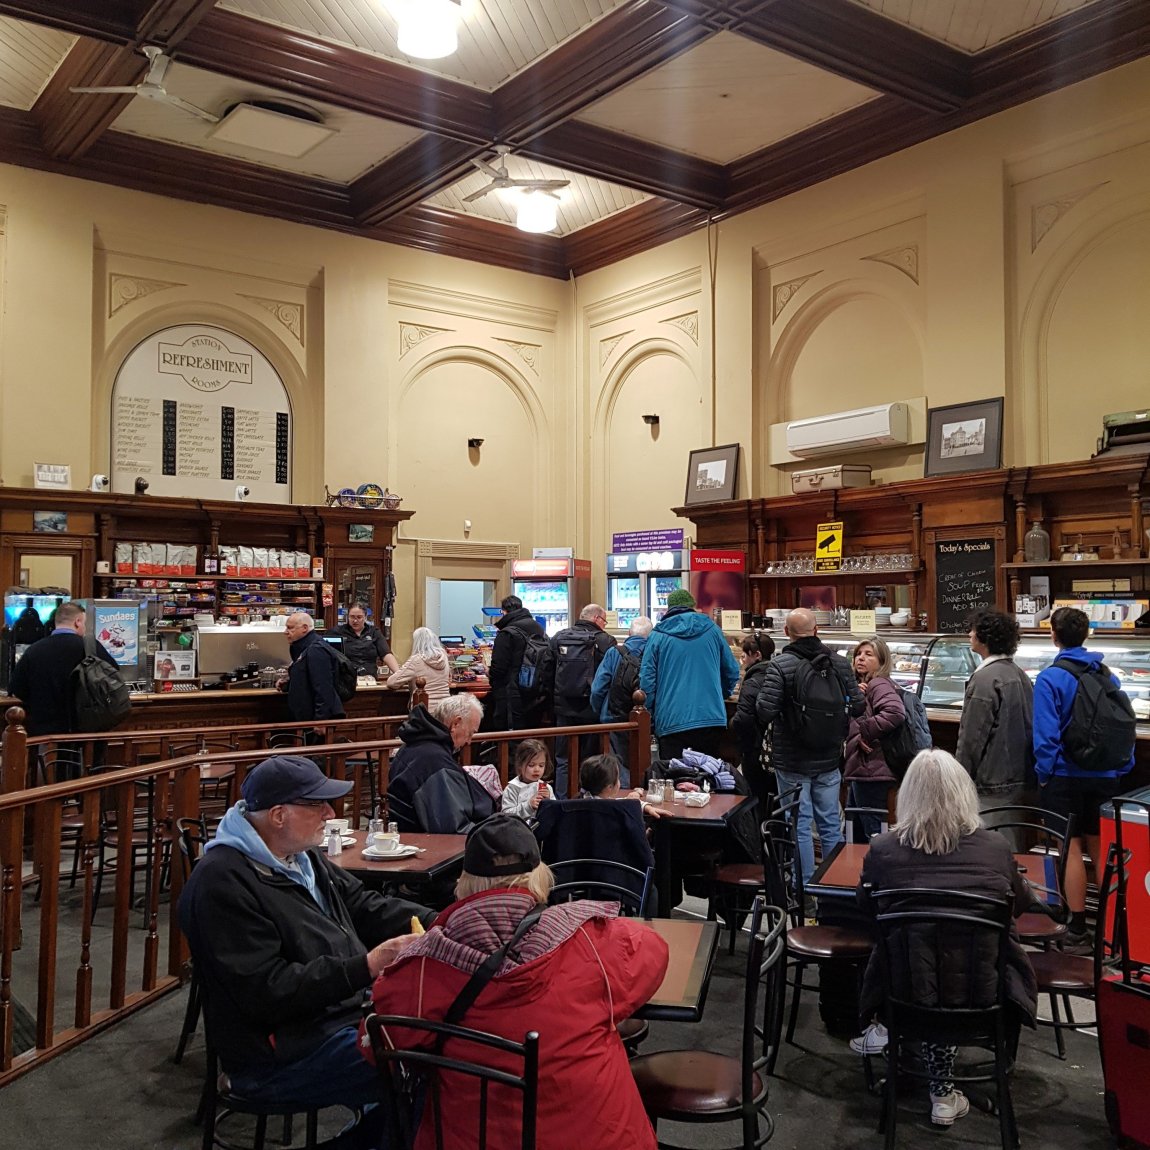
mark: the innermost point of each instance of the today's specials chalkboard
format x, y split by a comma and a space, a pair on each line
964, 580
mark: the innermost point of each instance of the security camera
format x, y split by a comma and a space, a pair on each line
242, 492
99, 483
141, 485
475, 443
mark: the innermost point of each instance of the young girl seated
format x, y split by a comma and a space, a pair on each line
599, 779
524, 793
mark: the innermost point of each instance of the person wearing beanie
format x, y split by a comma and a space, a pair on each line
285, 945
574, 972
687, 673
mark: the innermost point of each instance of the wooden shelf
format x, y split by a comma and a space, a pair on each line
1087, 565
871, 575
214, 579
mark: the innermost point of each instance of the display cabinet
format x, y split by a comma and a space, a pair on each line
908, 651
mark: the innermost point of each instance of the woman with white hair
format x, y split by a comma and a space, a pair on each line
939, 843
428, 661
572, 972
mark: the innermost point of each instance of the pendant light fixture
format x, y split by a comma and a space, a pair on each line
428, 29
536, 211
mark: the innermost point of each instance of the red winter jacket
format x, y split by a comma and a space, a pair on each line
884, 712
580, 970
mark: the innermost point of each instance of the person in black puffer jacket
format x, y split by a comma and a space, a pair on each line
757, 652
815, 772
513, 627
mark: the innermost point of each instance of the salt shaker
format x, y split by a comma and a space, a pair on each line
334, 844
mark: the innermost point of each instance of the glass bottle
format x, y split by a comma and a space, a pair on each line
1036, 544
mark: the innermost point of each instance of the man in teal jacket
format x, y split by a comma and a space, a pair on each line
687, 673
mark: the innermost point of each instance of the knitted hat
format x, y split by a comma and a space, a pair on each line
681, 598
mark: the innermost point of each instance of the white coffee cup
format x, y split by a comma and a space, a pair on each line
385, 842
340, 826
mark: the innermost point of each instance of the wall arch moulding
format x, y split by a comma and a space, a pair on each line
1037, 311
305, 395
517, 383
600, 470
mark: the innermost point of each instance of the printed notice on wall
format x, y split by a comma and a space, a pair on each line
197, 410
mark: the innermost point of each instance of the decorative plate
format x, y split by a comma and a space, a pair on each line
371, 495
347, 497
406, 850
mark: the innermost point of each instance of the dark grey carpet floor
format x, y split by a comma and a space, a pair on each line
121, 1091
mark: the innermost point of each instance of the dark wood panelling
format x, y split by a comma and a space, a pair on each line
263, 53
594, 151
423, 168
612, 52
627, 233
167, 22
114, 20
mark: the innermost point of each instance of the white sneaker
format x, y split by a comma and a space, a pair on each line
944, 1110
871, 1041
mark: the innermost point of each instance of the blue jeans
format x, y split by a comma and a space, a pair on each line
819, 797
334, 1074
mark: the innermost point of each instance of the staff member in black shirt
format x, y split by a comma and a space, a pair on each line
363, 644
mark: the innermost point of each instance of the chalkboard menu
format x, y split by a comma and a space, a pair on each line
964, 580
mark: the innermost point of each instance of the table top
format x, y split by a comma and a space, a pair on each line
439, 853
838, 874
717, 811
691, 947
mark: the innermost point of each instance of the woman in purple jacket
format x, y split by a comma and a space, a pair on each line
865, 766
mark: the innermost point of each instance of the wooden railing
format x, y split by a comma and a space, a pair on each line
104, 983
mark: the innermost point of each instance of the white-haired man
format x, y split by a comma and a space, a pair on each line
311, 690
427, 789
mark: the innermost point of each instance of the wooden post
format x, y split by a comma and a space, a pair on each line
419, 695
15, 751
639, 740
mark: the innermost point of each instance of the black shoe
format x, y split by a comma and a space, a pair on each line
1078, 942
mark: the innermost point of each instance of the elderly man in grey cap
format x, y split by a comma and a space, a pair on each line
286, 944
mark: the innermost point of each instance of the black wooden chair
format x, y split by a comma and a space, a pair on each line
192, 837
705, 1086
605, 880
434, 1070
924, 1002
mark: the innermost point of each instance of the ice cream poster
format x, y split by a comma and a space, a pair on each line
118, 629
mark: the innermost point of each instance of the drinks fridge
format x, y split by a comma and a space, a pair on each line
553, 590
638, 582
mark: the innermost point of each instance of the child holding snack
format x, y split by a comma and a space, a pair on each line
524, 793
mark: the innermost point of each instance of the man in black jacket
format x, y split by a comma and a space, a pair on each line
427, 789
42, 678
514, 627
286, 943
806, 752
311, 689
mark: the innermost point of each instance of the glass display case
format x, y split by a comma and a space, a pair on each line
907, 649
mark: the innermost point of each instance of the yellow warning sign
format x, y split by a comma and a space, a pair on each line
829, 547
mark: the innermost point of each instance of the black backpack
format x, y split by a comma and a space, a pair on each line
535, 650
1101, 732
575, 663
624, 681
101, 699
912, 735
346, 679
820, 718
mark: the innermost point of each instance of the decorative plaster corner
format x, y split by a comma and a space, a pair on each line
287, 313
688, 322
784, 292
608, 345
123, 290
528, 352
1044, 216
903, 259
411, 334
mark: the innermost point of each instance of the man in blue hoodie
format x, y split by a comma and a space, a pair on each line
614, 684
687, 673
1065, 788
286, 944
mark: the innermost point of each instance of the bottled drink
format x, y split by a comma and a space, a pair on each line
1036, 544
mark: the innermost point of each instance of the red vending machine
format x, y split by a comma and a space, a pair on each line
553, 590
1136, 840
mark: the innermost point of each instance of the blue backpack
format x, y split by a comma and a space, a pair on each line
900, 746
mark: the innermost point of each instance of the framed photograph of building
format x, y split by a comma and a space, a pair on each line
712, 474
964, 437
360, 532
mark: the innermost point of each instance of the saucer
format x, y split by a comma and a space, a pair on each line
406, 850
348, 840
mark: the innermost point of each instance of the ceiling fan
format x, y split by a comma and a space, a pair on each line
497, 173
152, 86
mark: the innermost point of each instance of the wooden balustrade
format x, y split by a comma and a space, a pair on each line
105, 983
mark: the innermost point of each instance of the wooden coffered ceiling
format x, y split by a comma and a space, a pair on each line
662, 114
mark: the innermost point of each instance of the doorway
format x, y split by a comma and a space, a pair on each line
455, 606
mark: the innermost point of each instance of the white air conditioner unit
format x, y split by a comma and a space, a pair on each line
885, 425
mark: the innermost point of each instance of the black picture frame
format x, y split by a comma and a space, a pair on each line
712, 474
964, 437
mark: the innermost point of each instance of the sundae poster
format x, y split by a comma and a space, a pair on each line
117, 627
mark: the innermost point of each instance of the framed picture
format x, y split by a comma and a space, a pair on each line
712, 474
964, 437
52, 522
361, 532
174, 665
25, 576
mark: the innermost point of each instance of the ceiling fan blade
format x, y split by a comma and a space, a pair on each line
157, 66
488, 170
479, 194
183, 105
104, 91
537, 185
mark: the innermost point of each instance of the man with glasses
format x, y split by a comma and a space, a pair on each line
286, 944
